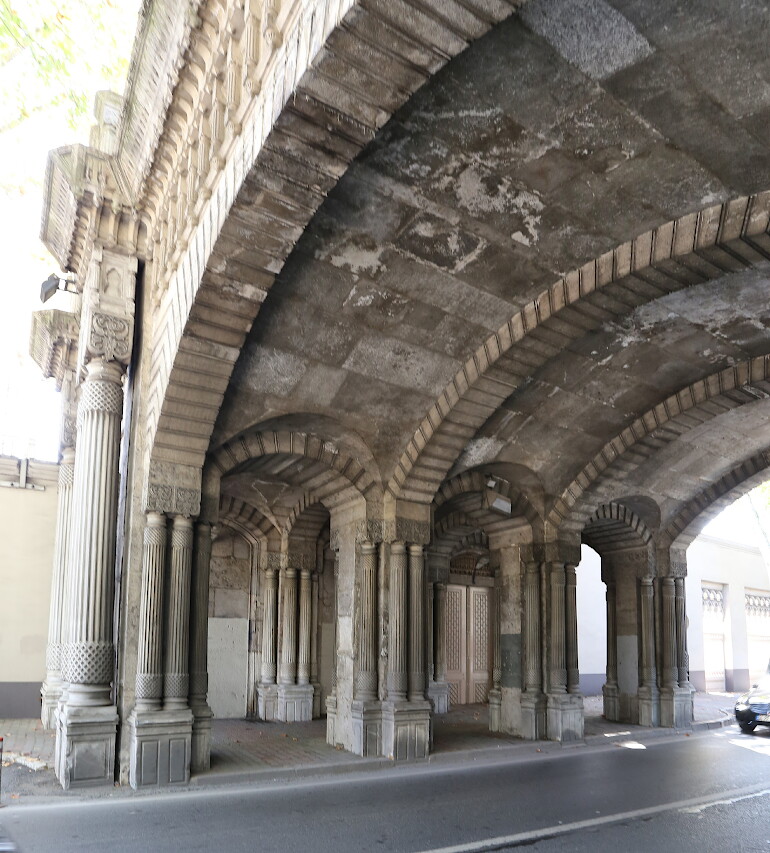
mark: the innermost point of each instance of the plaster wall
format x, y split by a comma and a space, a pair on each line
27, 534
228, 642
228, 667
738, 569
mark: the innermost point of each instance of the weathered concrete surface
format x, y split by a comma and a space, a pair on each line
534, 151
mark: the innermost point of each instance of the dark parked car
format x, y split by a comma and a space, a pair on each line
753, 708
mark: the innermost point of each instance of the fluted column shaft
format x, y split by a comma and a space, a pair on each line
558, 669
570, 605
612, 637
89, 653
305, 617
497, 669
199, 615
416, 623
366, 676
532, 667
336, 620
397, 651
439, 647
683, 664
176, 680
269, 627
647, 612
149, 666
670, 670
288, 672
56, 626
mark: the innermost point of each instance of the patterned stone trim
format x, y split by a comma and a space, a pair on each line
758, 605
172, 500
88, 663
713, 600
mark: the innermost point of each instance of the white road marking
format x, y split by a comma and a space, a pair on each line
686, 806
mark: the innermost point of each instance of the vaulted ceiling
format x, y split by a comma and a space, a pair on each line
536, 176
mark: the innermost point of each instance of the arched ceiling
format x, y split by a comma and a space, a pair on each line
552, 142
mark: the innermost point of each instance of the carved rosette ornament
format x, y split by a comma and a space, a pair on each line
110, 337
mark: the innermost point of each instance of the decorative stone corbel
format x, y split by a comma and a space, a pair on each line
107, 317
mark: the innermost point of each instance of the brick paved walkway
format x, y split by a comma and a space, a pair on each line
240, 746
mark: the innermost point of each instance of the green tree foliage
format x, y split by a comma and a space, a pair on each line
57, 54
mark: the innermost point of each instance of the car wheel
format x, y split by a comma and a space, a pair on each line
747, 728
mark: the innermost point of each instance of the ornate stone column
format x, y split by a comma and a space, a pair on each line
682, 658
89, 719
533, 701
564, 709
610, 689
495, 694
288, 670
366, 675
366, 709
52, 686
295, 693
416, 624
670, 674
570, 604
314, 640
649, 698
305, 624
439, 689
558, 658
397, 648
200, 749
176, 677
149, 668
267, 691
331, 699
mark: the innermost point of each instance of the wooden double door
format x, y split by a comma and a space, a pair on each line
468, 643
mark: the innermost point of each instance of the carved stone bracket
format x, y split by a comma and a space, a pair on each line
398, 530
172, 500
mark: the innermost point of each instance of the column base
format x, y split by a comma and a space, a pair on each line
50, 693
160, 747
629, 708
533, 716
438, 696
331, 719
316, 700
648, 701
200, 744
85, 746
565, 717
295, 703
267, 702
405, 730
495, 709
611, 694
367, 727
676, 707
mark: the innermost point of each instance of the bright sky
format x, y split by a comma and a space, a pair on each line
29, 405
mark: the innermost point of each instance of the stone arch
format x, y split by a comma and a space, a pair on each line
693, 249
614, 526
318, 104
477, 482
697, 512
340, 478
246, 519
742, 384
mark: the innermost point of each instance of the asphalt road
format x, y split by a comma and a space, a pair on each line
704, 792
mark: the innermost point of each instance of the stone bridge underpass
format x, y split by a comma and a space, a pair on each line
409, 298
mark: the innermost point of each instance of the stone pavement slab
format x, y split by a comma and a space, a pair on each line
245, 749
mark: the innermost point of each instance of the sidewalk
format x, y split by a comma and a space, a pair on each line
243, 750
